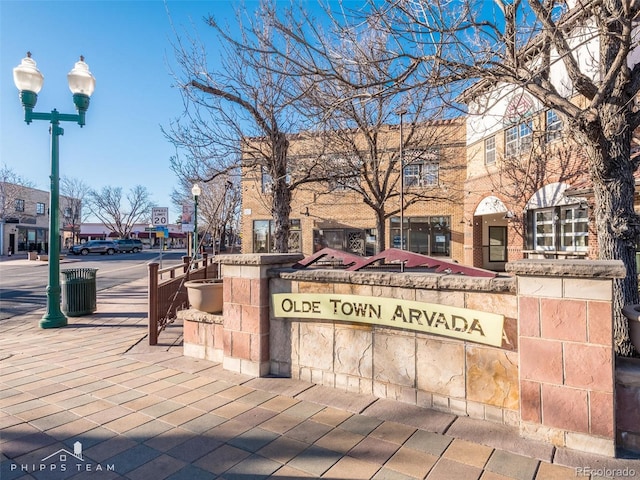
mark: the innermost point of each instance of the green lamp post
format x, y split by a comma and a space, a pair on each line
195, 191
29, 80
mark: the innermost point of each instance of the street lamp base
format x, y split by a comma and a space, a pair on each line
53, 321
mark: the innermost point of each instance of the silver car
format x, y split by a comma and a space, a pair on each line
95, 246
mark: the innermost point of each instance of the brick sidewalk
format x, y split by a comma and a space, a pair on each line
94, 398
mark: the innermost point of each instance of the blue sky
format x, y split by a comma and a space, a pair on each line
127, 45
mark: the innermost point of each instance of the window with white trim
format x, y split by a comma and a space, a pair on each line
19, 205
40, 208
490, 150
554, 126
564, 228
518, 138
422, 174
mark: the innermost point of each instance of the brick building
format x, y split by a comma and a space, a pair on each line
330, 214
24, 220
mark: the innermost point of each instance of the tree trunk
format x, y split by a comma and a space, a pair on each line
281, 207
612, 171
380, 228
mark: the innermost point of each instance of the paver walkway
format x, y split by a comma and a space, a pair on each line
93, 400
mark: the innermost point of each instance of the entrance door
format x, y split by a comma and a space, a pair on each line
497, 244
12, 243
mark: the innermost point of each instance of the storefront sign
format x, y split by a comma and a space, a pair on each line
462, 323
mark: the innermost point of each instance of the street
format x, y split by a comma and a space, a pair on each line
23, 283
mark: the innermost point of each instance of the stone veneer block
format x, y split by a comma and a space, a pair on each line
259, 292
439, 297
315, 287
280, 340
316, 345
190, 331
600, 323
241, 345
354, 350
535, 431
404, 293
232, 316
351, 289
588, 289
501, 304
601, 407
193, 350
440, 367
255, 319
395, 357
259, 348
240, 290
492, 377
590, 444
529, 316
541, 360
589, 367
563, 319
540, 286
564, 407
530, 402
254, 369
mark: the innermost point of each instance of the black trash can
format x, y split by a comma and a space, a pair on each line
79, 291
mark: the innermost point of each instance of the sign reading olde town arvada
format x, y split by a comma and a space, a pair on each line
462, 323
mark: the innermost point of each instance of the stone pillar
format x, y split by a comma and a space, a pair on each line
567, 359
246, 309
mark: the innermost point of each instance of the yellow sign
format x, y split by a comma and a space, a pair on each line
462, 323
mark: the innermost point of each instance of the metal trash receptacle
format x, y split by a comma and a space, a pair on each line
79, 291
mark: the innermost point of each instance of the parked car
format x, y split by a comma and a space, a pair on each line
95, 246
129, 245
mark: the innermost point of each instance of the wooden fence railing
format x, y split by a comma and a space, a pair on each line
167, 293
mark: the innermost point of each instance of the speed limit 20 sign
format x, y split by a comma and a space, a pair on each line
160, 215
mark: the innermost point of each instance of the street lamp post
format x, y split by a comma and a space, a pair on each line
29, 80
402, 113
195, 191
402, 180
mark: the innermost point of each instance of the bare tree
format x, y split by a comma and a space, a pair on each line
107, 206
239, 114
517, 44
12, 188
504, 46
354, 109
218, 205
74, 193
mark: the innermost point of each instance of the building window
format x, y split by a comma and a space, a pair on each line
422, 174
264, 236
358, 241
424, 235
40, 208
564, 228
518, 138
490, 151
267, 181
345, 172
19, 205
554, 126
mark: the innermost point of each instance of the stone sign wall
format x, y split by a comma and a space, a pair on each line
427, 370
553, 376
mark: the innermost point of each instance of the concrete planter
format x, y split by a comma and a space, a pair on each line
632, 312
205, 295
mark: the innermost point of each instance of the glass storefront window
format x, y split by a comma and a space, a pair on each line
424, 235
563, 228
264, 238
